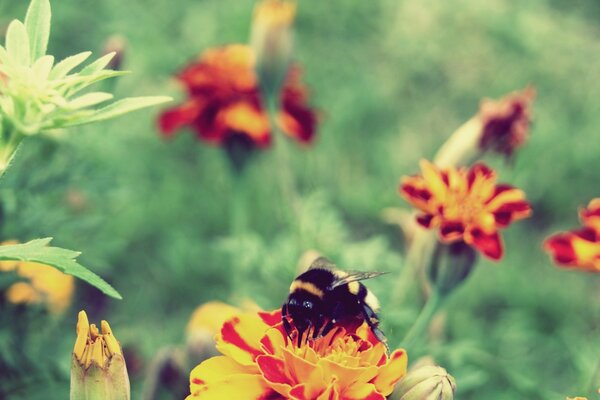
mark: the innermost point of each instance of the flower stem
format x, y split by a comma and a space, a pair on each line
286, 178
416, 332
239, 217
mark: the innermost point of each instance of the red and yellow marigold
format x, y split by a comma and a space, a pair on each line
579, 248
259, 361
224, 101
505, 122
465, 204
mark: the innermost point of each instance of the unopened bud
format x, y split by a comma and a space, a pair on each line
98, 370
115, 44
272, 41
450, 266
429, 382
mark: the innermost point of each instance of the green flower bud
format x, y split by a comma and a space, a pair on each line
98, 370
426, 383
451, 264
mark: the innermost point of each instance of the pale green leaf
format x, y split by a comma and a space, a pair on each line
41, 68
62, 259
37, 22
127, 105
17, 43
88, 100
65, 66
98, 65
113, 110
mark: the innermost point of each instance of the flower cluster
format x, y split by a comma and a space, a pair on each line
224, 101
259, 361
579, 248
465, 204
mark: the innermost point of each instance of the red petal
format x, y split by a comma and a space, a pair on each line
425, 220
451, 231
489, 244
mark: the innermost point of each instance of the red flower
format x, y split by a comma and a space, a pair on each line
579, 248
465, 205
505, 122
224, 101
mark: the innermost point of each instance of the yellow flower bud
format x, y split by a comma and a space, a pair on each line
272, 41
428, 382
98, 370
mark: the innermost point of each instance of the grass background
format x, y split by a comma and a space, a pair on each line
392, 80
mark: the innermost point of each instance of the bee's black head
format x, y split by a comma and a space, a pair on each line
301, 311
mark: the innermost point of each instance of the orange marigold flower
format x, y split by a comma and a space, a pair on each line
259, 361
505, 122
579, 248
465, 204
224, 100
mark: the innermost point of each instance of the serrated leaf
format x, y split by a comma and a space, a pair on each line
125, 106
37, 23
98, 65
17, 43
88, 100
65, 66
62, 259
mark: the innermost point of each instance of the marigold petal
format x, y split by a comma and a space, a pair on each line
432, 176
240, 338
274, 372
175, 118
366, 391
331, 393
251, 387
215, 369
391, 373
211, 316
451, 231
347, 376
489, 244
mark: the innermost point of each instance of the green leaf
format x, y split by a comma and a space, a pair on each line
17, 43
124, 106
98, 65
62, 259
65, 66
42, 67
88, 100
37, 22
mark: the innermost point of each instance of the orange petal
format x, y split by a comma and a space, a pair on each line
434, 180
362, 392
240, 338
215, 369
231, 386
274, 373
331, 393
392, 372
347, 376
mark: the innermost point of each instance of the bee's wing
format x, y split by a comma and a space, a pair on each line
355, 276
322, 263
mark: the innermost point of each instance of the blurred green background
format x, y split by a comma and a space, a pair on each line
392, 79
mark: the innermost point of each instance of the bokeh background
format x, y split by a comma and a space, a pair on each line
392, 80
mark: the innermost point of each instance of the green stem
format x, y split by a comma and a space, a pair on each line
417, 331
286, 178
239, 217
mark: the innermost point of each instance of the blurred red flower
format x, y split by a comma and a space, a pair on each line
465, 204
224, 101
505, 122
579, 248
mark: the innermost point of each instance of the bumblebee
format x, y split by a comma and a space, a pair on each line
324, 296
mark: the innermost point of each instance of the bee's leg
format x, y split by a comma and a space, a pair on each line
373, 321
317, 327
286, 322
